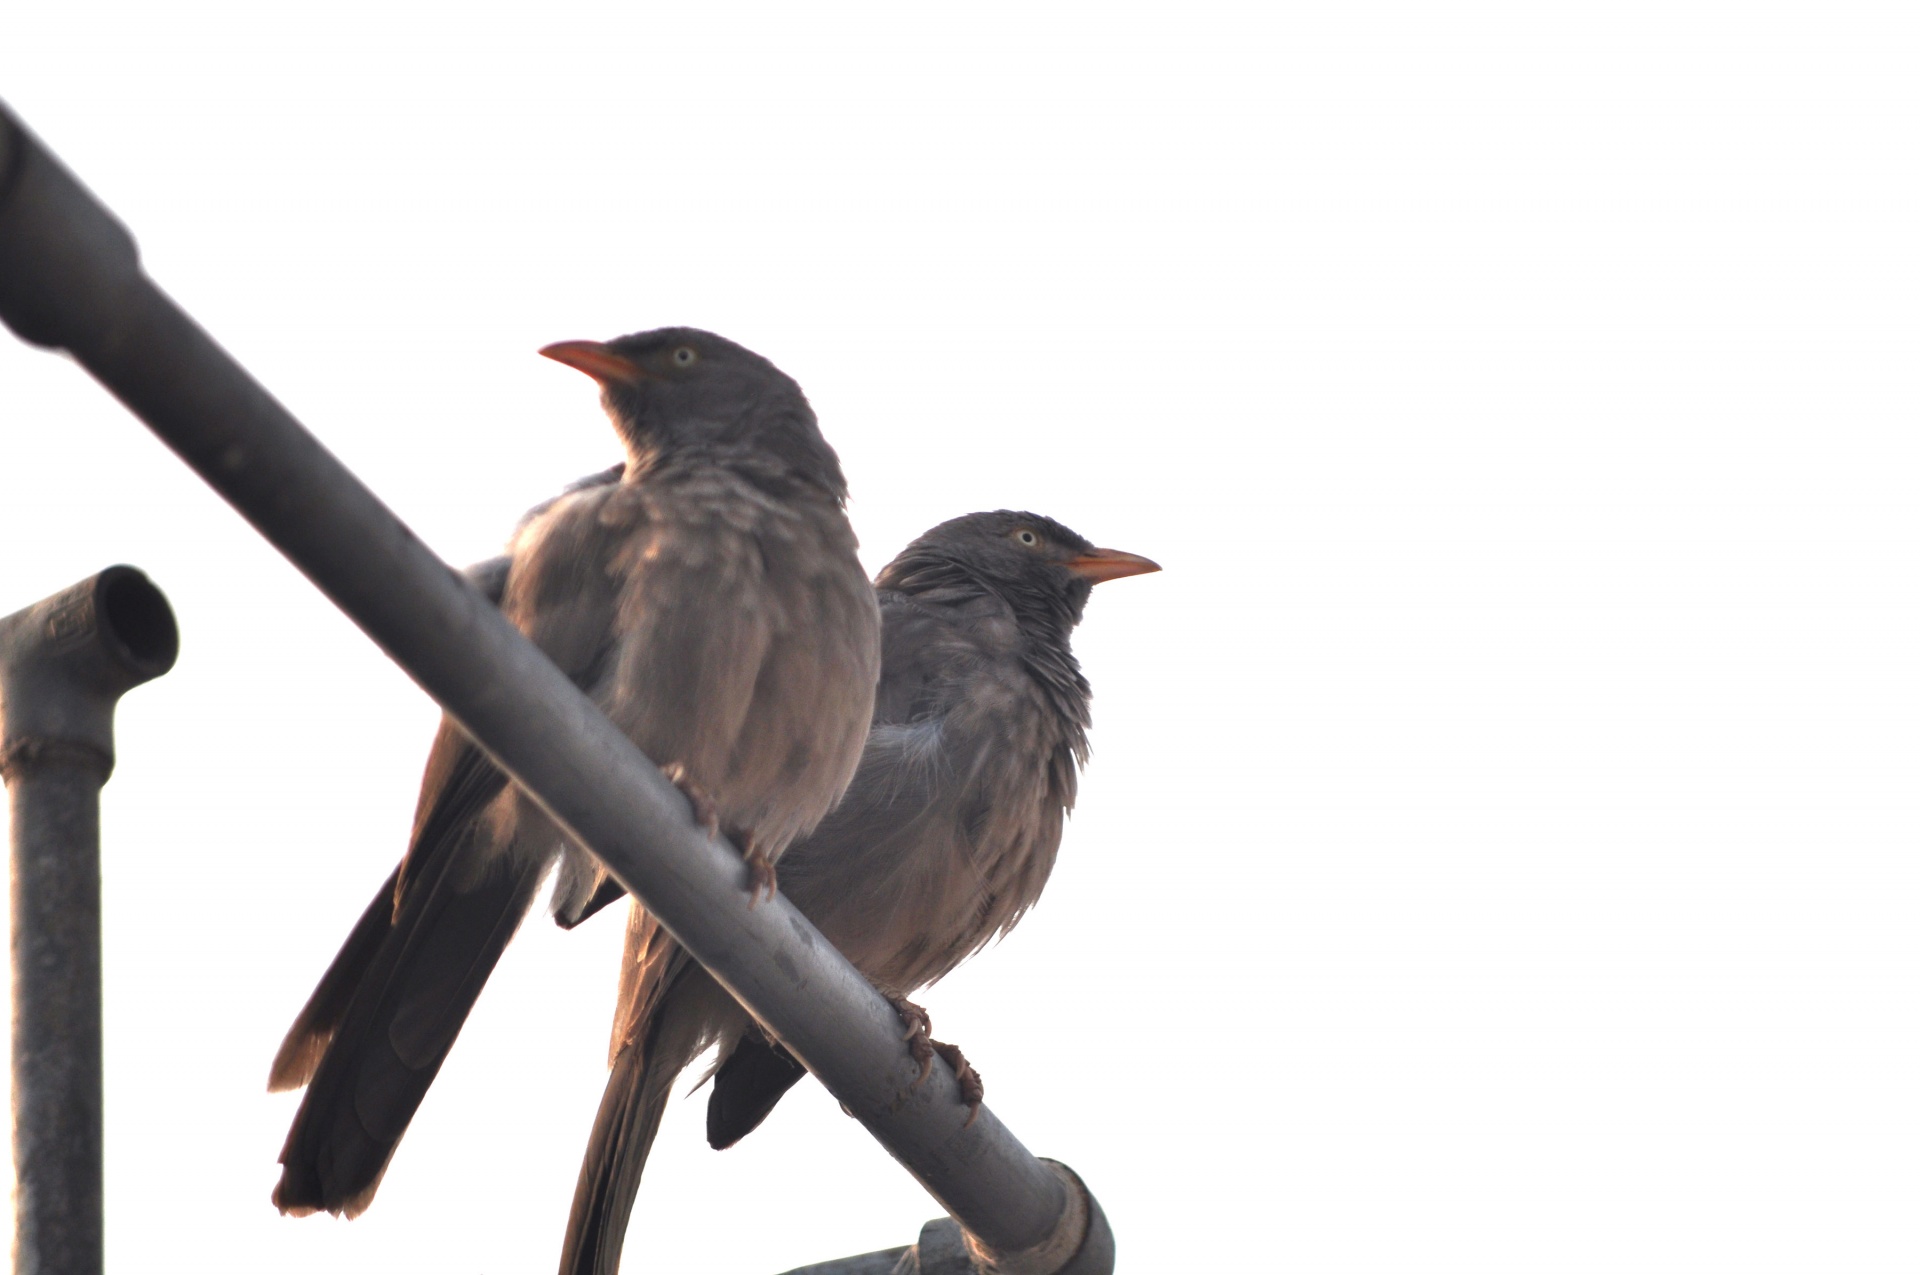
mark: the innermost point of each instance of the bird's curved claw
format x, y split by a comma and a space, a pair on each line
919, 1035
973, 1090
760, 875
705, 813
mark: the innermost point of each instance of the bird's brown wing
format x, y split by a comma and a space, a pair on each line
648, 966
459, 783
387, 1012
747, 1087
916, 645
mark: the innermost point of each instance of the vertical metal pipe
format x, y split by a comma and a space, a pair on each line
64, 663
55, 824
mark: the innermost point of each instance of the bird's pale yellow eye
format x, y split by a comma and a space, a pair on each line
1027, 537
685, 356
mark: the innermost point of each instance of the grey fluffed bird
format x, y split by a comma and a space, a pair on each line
944, 839
711, 603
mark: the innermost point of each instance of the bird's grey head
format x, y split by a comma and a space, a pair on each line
1043, 569
674, 390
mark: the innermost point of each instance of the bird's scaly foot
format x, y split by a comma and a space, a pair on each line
919, 1035
705, 813
760, 873
972, 1088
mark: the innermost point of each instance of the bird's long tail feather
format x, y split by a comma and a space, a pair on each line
623, 1130
413, 997
319, 1018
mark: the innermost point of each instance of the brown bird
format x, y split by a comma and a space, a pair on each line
712, 605
944, 839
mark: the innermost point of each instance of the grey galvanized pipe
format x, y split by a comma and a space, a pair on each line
64, 663
70, 278
944, 1249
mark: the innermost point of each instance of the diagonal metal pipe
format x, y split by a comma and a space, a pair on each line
70, 278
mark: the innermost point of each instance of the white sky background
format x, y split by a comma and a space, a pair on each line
1499, 851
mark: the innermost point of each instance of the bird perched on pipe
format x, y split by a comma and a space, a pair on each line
944, 839
710, 602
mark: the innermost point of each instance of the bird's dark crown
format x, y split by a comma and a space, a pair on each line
1021, 557
1024, 560
698, 392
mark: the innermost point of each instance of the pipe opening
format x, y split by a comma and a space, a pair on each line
136, 615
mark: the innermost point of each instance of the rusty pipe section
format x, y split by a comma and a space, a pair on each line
64, 664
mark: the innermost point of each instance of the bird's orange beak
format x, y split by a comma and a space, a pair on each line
1110, 564
602, 362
